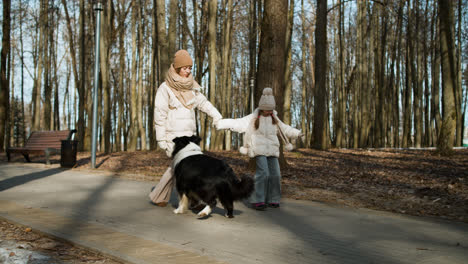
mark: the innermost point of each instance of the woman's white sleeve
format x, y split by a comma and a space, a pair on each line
205, 106
161, 110
237, 125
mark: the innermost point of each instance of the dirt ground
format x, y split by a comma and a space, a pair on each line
21, 244
410, 181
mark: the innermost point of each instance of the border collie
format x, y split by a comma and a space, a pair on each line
203, 178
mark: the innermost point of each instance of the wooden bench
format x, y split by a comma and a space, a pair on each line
42, 142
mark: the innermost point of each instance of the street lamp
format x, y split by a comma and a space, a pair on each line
98, 9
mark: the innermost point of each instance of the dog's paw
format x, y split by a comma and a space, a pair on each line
229, 216
178, 211
205, 212
201, 215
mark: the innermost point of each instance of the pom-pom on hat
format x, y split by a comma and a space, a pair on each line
267, 101
182, 59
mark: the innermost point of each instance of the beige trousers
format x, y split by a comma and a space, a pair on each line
162, 192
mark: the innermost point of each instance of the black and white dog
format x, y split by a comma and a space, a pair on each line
204, 178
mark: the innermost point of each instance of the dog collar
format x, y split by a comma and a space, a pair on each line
189, 150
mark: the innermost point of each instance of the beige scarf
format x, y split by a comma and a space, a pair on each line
182, 87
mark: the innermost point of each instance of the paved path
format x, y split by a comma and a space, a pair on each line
112, 215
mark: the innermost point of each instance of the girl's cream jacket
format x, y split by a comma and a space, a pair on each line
264, 140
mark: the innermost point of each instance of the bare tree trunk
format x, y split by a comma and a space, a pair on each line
40, 64
287, 71
253, 28
427, 125
153, 84
271, 57
141, 92
417, 78
409, 84
381, 121
304, 126
172, 30
46, 58
162, 40
436, 119
449, 81
320, 118
226, 67
309, 111
133, 133
458, 73
395, 78
365, 87
81, 133
23, 125
212, 57
56, 109
4, 84
341, 123
105, 43
121, 127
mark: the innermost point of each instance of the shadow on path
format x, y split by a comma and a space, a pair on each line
22, 179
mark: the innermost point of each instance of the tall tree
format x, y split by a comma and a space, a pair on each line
304, 126
320, 113
252, 52
340, 129
436, 119
172, 27
272, 56
46, 59
287, 69
107, 32
153, 83
449, 78
212, 57
163, 45
135, 28
4, 83
226, 70
140, 89
82, 81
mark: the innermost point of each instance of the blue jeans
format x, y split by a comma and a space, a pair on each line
267, 181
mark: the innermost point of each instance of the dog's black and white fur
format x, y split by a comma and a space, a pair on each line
201, 177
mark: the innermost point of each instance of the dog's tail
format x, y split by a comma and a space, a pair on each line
243, 187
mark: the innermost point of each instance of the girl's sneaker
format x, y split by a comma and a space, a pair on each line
274, 205
259, 206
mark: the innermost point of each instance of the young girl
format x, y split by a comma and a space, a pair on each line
262, 129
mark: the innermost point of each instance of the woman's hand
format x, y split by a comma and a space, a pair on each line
162, 145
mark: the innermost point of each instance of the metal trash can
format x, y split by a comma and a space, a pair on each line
68, 153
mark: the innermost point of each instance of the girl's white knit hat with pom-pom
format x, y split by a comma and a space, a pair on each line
267, 101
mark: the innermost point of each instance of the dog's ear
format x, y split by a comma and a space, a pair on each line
177, 139
195, 139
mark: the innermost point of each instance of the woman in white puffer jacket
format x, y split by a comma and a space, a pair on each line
262, 129
175, 104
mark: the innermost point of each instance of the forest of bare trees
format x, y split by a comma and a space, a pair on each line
349, 74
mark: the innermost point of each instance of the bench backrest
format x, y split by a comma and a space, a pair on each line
46, 139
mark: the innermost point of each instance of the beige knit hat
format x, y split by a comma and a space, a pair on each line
182, 59
267, 101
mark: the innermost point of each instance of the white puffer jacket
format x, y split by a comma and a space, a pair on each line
173, 119
262, 141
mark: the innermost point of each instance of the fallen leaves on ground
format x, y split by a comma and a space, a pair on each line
59, 251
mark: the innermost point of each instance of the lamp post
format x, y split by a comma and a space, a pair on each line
98, 9
252, 87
